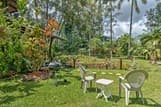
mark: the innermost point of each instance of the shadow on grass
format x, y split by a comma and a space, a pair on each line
61, 82
63, 73
8, 99
115, 98
23, 90
29, 87
73, 76
149, 102
68, 75
91, 89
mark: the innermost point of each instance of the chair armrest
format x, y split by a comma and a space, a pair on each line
91, 73
94, 73
121, 78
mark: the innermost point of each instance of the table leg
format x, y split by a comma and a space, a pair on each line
99, 95
107, 94
90, 83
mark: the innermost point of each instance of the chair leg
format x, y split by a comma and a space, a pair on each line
137, 94
126, 96
127, 93
85, 86
90, 83
141, 94
81, 84
96, 87
119, 87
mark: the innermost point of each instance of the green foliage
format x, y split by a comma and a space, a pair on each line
95, 43
154, 17
34, 53
11, 46
122, 45
22, 6
101, 48
151, 43
72, 45
15, 34
1, 3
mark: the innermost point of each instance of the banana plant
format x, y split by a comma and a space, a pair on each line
152, 41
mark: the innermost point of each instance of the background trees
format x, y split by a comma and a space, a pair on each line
82, 20
152, 43
79, 22
110, 13
154, 17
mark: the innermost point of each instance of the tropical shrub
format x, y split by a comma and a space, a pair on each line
122, 45
11, 54
22, 46
152, 42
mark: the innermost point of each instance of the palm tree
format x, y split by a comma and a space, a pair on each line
111, 9
92, 6
111, 28
36, 9
134, 4
47, 9
152, 42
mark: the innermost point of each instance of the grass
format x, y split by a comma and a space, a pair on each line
14, 93
90, 59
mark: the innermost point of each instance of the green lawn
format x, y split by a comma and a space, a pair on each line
14, 93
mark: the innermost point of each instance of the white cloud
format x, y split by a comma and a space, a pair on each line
123, 27
139, 27
125, 10
139, 20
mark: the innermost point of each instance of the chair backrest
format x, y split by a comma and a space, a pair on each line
82, 72
136, 78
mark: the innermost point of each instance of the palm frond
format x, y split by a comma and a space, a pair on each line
119, 4
144, 1
136, 6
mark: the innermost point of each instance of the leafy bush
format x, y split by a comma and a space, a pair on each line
22, 46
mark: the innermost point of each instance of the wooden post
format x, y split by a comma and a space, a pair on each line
120, 63
74, 62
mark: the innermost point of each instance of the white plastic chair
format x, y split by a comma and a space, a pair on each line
86, 77
133, 81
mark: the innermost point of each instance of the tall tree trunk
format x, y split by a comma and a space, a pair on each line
130, 30
111, 29
47, 9
48, 53
50, 47
36, 5
90, 33
89, 53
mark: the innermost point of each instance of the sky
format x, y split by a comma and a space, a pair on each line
123, 20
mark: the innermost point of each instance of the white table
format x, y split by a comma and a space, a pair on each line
103, 85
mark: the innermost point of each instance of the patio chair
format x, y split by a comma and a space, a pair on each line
86, 77
133, 81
